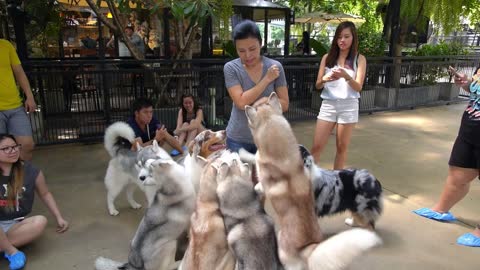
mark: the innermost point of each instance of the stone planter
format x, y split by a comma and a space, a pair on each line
448, 91
420, 95
384, 97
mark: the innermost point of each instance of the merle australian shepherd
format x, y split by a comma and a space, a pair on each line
336, 191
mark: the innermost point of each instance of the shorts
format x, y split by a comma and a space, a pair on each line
234, 146
342, 111
465, 154
7, 224
15, 122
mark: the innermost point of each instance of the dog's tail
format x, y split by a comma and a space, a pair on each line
102, 263
118, 136
340, 250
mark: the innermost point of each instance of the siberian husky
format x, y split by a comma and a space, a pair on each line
208, 248
336, 191
154, 244
125, 164
288, 187
250, 231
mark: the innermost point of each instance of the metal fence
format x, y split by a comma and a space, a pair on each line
78, 99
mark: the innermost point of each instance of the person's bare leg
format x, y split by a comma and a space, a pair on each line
191, 135
26, 231
5, 245
27, 143
455, 188
320, 139
181, 138
344, 134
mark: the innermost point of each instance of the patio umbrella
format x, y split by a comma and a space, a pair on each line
322, 17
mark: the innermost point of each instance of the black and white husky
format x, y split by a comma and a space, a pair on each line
125, 164
155, 242
336, 191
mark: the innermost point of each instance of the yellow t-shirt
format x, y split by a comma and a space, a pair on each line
9, 94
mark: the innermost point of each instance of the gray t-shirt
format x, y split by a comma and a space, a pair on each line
235, 74
25, 201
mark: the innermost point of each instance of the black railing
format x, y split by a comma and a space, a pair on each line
78, 99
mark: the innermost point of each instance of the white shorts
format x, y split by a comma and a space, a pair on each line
7, 224
342, 111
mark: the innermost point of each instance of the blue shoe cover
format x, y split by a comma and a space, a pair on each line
429, 213
469, 240
175, 152
17, 260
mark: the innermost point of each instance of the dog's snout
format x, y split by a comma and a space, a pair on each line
142, 178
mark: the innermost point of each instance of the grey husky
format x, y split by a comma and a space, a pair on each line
125, 164
250, 231
154, 245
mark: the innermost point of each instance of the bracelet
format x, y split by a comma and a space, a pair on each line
348, 79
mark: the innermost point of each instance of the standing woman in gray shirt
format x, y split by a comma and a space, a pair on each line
249, 79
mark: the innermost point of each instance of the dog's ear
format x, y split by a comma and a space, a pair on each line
222, 172
251, 113
245, 170
274, 101
235, 168
155, 145
138, 146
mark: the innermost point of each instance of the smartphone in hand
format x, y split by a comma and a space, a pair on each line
453, 71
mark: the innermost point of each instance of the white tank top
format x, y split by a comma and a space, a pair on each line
340, 89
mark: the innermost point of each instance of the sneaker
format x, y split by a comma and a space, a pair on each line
17, 260
429, 213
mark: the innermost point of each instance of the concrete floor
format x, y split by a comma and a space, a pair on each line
408, 151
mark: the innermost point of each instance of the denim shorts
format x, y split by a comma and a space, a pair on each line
234, 146
15, 122
7, 224
342, 111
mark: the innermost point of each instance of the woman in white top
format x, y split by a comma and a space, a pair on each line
341, 76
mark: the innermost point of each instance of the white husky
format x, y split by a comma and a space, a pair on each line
125, 164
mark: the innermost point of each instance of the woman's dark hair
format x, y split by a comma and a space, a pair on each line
196, 106
141, 103
335, 50
246, 29
15, 181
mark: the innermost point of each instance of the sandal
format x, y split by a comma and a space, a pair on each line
17, 260
469, 240
429, 213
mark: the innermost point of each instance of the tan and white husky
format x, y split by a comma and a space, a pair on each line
287, 186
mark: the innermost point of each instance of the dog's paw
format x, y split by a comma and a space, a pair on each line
350, 222
135, 205
113, 212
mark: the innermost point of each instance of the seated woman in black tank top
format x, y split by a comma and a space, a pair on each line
190, 120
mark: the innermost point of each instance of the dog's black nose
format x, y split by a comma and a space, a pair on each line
142, 178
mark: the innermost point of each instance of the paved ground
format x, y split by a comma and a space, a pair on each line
408, 151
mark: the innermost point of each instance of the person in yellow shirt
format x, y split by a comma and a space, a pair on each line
13, 114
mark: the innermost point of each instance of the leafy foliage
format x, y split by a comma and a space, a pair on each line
428, 74
43, 25
371, 44
441, 49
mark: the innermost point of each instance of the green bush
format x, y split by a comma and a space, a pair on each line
429, 74
441, 49
371, 44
